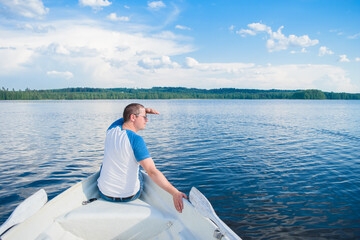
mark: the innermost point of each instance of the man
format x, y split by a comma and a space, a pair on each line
120, 178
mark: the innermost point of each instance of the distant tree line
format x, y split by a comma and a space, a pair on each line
168, 93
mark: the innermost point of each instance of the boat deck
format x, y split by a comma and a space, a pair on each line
153, 216
108, 220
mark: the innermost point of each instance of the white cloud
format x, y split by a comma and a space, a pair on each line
303, 50
37, 28
64, 75
343, 58
337, 31
259, 27
325, 51
26, 8
167, 35
217, 67
277, 40
355, 36
245, 32
254, 28
95, 4
191, 62
231, 28
114, 17
154, 63
302, 41
12, 59
56, 48
156, 5
247, 75
357, 59
182, 27
289, 76
104, 57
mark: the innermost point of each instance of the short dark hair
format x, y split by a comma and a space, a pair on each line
133, 108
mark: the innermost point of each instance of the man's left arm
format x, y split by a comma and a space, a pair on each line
159, 178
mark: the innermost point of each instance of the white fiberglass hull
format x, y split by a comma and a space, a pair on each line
153, 216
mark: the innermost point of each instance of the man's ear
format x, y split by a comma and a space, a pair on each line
132, 117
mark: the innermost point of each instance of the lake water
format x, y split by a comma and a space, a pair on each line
272, 169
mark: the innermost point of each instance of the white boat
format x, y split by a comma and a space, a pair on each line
72, 216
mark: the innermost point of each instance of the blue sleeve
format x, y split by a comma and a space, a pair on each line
118, 122
138, 145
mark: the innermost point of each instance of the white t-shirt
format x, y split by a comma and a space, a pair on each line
120, 169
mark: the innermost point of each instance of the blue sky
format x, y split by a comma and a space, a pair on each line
297, 44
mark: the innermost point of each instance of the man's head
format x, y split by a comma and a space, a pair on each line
135, 114
133, 108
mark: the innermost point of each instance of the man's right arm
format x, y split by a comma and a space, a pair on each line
159, 178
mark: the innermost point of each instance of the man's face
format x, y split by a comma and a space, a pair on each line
141, 120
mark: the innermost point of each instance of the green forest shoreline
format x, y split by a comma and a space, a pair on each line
169, 93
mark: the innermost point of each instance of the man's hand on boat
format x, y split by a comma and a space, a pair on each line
178, 200
159, 178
